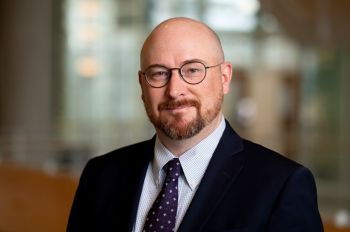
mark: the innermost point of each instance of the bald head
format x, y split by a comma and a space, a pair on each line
181, 38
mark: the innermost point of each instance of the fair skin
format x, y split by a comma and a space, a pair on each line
173, 43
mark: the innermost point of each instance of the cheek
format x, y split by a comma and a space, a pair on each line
151, 99
211, 90
211, 94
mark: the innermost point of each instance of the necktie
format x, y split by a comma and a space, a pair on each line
162, 214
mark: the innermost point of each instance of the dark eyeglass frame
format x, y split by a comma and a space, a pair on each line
180, 74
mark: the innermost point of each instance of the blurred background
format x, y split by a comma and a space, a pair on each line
69, 91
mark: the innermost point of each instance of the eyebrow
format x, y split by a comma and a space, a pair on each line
182, 63
193, 60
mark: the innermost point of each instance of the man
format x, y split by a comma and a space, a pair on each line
196, 174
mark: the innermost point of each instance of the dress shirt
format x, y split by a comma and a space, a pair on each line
194, 162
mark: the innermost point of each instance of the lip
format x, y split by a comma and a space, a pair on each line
180, 106
178, 109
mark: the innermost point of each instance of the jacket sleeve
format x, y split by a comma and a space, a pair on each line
296, 208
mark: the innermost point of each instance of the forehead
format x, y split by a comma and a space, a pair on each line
175, 43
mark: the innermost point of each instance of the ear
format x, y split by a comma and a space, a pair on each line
141, 84
140, 77
226, 76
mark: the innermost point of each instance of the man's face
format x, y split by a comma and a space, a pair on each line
181, 110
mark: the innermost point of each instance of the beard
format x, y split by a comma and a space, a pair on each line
177, 128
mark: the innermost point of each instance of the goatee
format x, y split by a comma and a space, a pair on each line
178, 128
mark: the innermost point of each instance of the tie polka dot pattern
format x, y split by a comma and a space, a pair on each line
162, 214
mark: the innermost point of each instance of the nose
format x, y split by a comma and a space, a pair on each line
176, 86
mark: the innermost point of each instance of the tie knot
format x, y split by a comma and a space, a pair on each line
173, 168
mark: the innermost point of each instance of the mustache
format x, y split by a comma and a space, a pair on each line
174, 104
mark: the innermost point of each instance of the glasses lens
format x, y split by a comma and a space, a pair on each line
157, 76
193, 72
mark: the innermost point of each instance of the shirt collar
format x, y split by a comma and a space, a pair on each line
194, 162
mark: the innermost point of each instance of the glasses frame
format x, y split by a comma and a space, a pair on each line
179, 71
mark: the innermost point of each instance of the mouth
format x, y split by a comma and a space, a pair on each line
178, 106
177, 110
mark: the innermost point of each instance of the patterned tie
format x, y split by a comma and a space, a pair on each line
162, 215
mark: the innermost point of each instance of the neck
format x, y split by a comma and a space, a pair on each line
178, 147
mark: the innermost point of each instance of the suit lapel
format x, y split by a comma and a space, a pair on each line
142, 166
221, 173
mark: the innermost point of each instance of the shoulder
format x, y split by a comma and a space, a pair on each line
264, 155
276, 174
269, 164
259, 160
130, 152
122, 158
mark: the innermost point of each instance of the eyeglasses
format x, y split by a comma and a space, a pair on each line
193, 73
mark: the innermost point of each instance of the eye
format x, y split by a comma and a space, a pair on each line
157, 73
193, 69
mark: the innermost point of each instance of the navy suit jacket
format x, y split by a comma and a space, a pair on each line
246, 187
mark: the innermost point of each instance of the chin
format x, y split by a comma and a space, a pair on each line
181, 129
